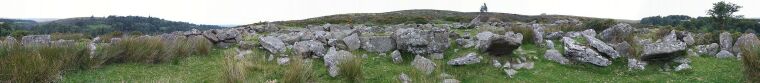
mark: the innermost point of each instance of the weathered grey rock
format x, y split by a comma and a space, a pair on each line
549, 44
496, 63
510, 72
619, 31
439, 40
352, 42
404, 78
423, 64
668, 48
688, 39
554, 35
272, 44
583, 53
710, 49
379, 44
634, 64
623, 48
470, 58
247, 45
411, 40
484, 39
309, 48
283, 60
503, 45
35, 40
451, 81
538, 33
555, 56
725, 41
589, 32
396, 56
682, 67
337, 43
333, 58
475, 21
465, 43
724, 54
602, 47
748, 40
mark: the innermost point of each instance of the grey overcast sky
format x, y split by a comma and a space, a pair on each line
250, 11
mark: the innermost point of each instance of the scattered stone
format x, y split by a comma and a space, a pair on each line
436, 56
682, 67
634, 64
549, 44
583, 53
510, 72
446, 76
283, 61
396, 56
470, 58
404, 78
423, 64
555, 56
272, 44
724, 54
496, 63
710, 49
465, 43
35, 40
602, 47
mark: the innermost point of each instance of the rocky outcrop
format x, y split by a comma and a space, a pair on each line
668, 48
223, 35
411, 40
555, 56
602, 47
470, 58
724, 54
501, 45
309, 48
622, 48
272, 44
35, 40
583, 53
426, 66
379, 44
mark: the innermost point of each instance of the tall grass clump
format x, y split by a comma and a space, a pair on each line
527, 33
751, 59
201, 45
39, 63
68, 36
235, 70
351, 70
140, 49
298, 72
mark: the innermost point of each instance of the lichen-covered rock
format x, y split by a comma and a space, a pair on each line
404, 78
352, 42
538, 34
748, 40
583, 53
634, 64
725, 41
622, 48
616, 32
379, 44
550, 44
589, 32
555, 56
309, 48
484, 39
710, 49
411, 40
396, 56
272, 44
724, 54
510, 72
426, 66
333, 58
465, 43
602, 47
35, 40
668, 48
470, 58
554, 35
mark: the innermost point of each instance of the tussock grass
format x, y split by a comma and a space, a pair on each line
298, 72
235, 70
27, 64
68, 36
527, 33
351, 70
751, 60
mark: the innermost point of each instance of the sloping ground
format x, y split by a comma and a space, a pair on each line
381, 69
423, 16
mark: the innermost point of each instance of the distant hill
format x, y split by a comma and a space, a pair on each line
19, 23
421, 16
103, 25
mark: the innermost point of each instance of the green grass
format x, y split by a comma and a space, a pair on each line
381, 69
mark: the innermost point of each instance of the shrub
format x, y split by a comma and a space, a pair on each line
351, 70
298, 72
20, 33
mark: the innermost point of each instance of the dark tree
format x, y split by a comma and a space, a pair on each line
722, 13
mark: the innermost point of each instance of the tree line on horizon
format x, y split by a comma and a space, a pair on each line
94, 26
